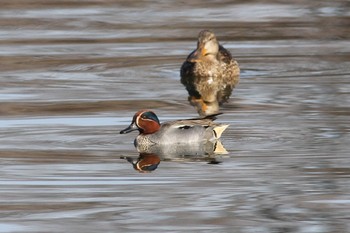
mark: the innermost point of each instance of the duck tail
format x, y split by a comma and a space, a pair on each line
218, 130
220, 149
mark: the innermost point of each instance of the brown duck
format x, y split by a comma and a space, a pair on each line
209, 74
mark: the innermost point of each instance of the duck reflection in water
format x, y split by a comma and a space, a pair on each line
145, 162
148, 162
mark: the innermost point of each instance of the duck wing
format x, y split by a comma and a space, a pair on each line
188, 78
225, 55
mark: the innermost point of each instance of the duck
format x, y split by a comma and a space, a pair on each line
178, 132
210, 74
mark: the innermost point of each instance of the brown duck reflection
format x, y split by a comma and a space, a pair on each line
150, 157
145, 162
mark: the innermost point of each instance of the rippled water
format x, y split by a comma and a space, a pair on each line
72, 74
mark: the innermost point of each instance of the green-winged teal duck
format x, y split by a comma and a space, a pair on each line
151, 132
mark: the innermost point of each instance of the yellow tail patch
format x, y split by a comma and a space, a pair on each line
220, 149
219, 130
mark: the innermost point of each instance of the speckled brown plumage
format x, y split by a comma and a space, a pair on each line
209, 74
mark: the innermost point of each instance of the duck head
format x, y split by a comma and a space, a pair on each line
145, 121
207, 47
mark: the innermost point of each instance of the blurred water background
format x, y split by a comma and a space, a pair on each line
73, 73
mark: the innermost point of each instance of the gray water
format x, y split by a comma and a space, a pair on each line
73, 73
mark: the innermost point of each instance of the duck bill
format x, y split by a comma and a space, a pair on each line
197, 55
131, 127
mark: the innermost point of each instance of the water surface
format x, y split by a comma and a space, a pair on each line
72, 75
